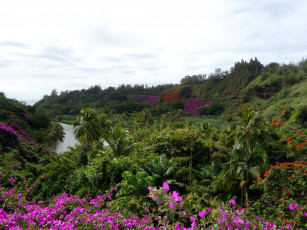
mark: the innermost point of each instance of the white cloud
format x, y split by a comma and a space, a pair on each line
66, 44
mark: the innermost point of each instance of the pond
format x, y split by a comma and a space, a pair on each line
69, 139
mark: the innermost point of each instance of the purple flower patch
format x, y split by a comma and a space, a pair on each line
8, 136
145, 98
190, 106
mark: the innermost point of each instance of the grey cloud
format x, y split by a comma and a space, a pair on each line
5, 63
279, 10
121, 67
129, 56
104, 36
89, 69
141, 56
58, 54
94, 69
154, 67
76, 85
12, 43
134, 58
111, 59
276, 10
97, 70
128, 72
148, 67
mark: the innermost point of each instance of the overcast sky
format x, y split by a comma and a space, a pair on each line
74, 44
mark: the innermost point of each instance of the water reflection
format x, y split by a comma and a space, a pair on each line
69, 139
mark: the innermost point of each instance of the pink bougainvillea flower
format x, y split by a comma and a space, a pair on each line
184, 214
149, 188
166, 187
292, 207
202, 214
172, 206
176, 197
233, 202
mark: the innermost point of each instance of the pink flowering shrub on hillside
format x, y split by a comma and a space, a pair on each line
191, 105
8, 136
145, 98
71, 212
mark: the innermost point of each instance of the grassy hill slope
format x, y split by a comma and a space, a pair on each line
271, 89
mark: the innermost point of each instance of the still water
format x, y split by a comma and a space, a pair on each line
69, 139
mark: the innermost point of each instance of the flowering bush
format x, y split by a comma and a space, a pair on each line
284, 115
190, 106
296, 146
284, 185
172, 96
8, 137
278, 123
208, 102
71, 212
22, 135
145, 98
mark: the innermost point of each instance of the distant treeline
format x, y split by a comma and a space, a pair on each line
235, 83
71, 102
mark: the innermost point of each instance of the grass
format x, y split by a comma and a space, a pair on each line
68, 119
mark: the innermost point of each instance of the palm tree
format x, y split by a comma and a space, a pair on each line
118, 141
88, 126
249, 127
55, 133
245, 165
163, 169
248, 157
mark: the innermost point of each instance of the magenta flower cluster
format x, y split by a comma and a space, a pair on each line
8, 136
145, 98
22, 135
292, 207
71, 212
190, 106
208, 102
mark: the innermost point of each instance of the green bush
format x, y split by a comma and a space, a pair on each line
40, 120
215, 109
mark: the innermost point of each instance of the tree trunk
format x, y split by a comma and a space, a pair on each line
242, 194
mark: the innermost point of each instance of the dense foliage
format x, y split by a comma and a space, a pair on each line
227, 151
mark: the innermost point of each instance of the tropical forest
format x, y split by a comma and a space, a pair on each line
222, 150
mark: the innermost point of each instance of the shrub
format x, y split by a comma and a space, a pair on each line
190, 106
128, 106
172, 96
145, 98
40, 120
8, 137
214, 109
186, 92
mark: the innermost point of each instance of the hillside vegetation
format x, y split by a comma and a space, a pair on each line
225, 150
270, 89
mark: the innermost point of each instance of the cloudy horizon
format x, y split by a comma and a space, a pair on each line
68, 45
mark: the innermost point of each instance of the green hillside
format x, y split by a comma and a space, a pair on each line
225, 150
270, 89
